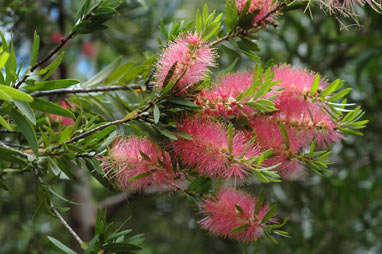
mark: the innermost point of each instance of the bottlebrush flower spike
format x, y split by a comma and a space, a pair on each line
221, 98
231, 209
209, 152
297, 111
193, 57
138, 163
263, 6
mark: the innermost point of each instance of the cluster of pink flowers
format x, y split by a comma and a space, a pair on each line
220, 99
208, 151
262, 6
232, 209
138, 163
192, 56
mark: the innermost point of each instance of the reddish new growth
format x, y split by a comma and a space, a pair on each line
231, 209
208, 151
220, 100
193, 57
138, 163
262, 6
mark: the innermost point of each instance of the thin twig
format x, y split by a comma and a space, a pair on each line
54, 51
63, 221
257, 25
13, 149
82, 90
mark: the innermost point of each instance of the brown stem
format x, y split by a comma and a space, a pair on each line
54, 51
81, 90
63, 221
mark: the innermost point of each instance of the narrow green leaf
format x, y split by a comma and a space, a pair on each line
26, 128
350, 132
330, 88
230, 138
312, 147
5, 124
340, 94
270, 237
4, 96
239, 228
3, 59
167, 133
16, 94
259, 203
239, 210
284, 135
269, 214
26, 109
35, 48
51, 108
315, 85
167, 85
140, 176
61, 246
156, 114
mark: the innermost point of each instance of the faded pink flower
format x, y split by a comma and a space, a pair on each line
263, 6
347, 7
133, 157
231, 209
193, 57
65, 121
208, 152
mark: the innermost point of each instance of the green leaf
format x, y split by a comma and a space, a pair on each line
102, 75
35, 48
16, 94
340, 94
312, 147
27, 129
331, 88
270, 237
3, 59
315, 85
26, 109
51, 108
269, 214
167, 85
5, 124
94, 138
52, 84
167, 133
230, 138
239, 228
61, 246
350, 132
4, 96
259, 202
140, 176
156, 114
183, 102
284, 135
239, 210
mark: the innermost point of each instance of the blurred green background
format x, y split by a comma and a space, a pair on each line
338, 213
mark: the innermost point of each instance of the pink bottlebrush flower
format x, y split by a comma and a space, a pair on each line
263, 6
208, 152
221, 98
193, 57
269, 136
65, 121
141, 157
297, 110
57, 37
231, 209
